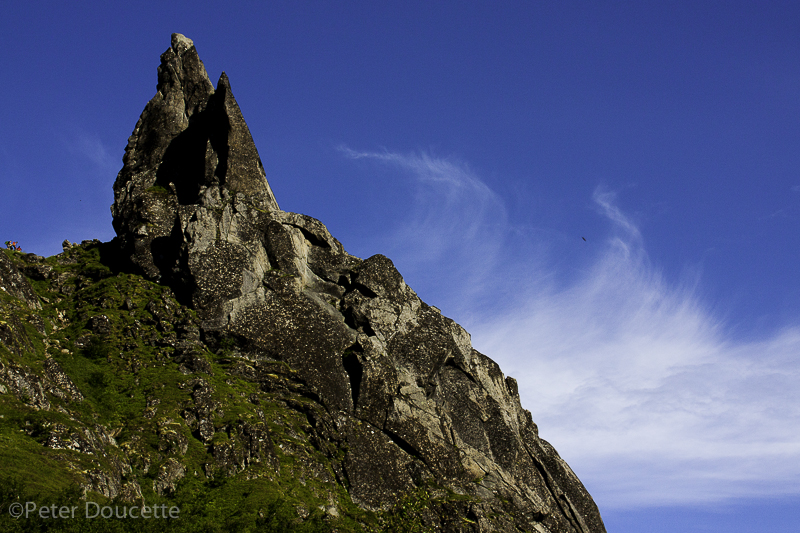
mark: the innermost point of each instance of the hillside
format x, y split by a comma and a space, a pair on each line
231, 360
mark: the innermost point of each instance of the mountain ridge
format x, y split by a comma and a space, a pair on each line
396, 400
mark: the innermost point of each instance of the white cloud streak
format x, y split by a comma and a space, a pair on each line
637, 383
92, 148
455, 227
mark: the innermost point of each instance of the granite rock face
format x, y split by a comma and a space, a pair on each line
190, 153
402, 389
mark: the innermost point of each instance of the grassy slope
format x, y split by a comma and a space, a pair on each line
137, 392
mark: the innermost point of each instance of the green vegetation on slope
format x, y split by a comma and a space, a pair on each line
118, 399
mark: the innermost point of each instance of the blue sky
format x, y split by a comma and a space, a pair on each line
476, 144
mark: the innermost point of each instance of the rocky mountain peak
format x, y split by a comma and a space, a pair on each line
408, 401
191, 149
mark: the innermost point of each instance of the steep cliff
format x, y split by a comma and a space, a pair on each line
249, 347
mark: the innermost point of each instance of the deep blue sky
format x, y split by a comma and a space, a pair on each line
475, 143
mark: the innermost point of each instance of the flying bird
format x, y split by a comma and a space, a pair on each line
584, 238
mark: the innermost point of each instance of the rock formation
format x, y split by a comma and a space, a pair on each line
395, 396
413, 400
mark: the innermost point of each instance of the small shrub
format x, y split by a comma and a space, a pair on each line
98, 380
96, 348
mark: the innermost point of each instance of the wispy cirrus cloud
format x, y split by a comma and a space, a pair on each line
456, 226
91, 147
640, 384
645, 390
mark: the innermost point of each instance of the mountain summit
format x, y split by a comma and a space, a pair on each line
257, 353
189, 153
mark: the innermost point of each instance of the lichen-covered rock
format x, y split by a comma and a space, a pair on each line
26, 386
14, 283
168, 476
400, 386
58, 383
18, 303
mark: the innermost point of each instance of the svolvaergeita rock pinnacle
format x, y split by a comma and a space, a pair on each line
408, 402
190, 149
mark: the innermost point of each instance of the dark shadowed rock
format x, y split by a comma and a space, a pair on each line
400, 386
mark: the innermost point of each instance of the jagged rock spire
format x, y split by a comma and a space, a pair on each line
190, 147
407, 397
